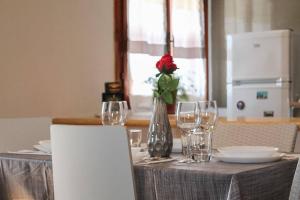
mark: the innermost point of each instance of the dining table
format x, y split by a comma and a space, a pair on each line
29, 176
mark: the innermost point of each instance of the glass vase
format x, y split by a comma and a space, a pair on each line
160, 139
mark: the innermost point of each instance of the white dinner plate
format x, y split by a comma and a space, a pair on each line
45, 143
248, 151
42, 148
234, 159
29, 152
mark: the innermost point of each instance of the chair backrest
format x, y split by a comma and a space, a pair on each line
91, 162
282, 136
295, 189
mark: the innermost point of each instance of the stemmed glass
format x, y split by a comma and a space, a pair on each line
114, 113
208, 115
187, 120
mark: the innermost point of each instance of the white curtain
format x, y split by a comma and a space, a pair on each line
188, 31
147, 43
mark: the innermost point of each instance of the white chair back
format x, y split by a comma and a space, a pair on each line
295, 189
282, 136
91, 162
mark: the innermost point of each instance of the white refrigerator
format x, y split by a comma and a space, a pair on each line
259, 74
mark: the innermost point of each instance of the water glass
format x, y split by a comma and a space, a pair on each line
201, 146
135, 137
184, 144
187, 120
114, 112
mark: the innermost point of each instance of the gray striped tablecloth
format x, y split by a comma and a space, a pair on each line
30, 177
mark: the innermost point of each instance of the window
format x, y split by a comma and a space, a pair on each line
152, 28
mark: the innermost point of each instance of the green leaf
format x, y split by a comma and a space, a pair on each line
167, 97
163, 81
173, 84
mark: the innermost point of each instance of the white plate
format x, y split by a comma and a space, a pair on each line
44, 142
42, 148
29, 152
248, 151
224, 158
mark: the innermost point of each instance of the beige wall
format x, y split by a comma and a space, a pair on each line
54, 56
236, 16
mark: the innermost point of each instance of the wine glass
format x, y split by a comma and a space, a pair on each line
187, 120
117, 112
114, 113
208, 115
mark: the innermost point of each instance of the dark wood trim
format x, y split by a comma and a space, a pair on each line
118, 27
120, 37
120, 40
169, 43
205, 4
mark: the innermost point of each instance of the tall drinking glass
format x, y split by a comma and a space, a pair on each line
208, 119
187, 120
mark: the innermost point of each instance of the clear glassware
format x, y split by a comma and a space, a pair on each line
117, 112
125, 110
187, 120
160, 138
114, 112
201, 149
135, 137
208, 115
201, 144
183, 144
105, 113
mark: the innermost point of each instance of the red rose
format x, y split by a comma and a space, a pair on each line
166, 64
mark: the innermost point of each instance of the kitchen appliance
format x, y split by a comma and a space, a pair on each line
260, 74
